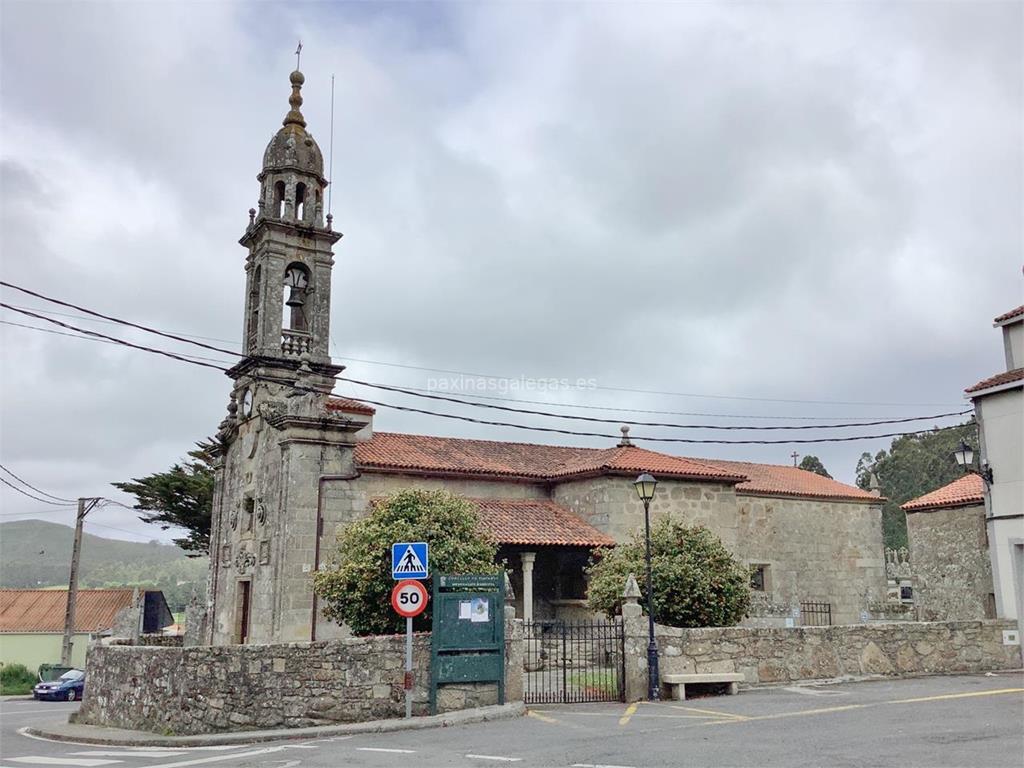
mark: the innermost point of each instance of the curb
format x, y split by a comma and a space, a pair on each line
116, 737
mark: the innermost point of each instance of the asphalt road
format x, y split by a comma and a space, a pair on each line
969, 720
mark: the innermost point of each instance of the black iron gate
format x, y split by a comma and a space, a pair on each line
573, 661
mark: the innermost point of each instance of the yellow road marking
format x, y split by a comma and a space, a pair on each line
957, 696
539, 716
630, 710
711, 712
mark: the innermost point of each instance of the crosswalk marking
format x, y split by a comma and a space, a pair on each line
122, 753
381, 749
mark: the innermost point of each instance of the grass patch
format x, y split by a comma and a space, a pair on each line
600, 680
16, 679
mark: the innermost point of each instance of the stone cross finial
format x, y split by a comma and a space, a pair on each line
631, 592
625, 441
631, 599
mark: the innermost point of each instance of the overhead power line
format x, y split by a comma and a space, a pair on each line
32, 487
470, 419
186, 340
597, 420
29, 495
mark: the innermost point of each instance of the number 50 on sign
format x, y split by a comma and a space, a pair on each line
409, 598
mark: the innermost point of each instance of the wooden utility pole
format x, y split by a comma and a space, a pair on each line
84, 505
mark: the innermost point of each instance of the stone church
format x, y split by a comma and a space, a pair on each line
299, 464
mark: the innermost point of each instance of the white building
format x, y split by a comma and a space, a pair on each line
999, 409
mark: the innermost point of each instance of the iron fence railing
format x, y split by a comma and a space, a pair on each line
573, 661
814, 614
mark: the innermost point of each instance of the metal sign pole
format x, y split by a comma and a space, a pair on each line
408, 666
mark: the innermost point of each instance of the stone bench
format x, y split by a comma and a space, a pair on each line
677, 683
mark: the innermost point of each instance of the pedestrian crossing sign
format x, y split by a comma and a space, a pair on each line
409, 560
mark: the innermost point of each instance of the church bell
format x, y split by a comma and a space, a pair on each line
296, 297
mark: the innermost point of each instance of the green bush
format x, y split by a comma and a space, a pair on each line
697, 582
16, 679
356, 586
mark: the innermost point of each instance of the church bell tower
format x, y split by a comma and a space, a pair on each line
288, 269
281, 433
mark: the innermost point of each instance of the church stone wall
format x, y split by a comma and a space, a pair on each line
817, 550
952, 569
610, 504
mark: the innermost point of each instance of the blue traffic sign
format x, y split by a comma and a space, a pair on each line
409, 560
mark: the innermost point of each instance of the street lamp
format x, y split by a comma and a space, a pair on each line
964, 456
645, 485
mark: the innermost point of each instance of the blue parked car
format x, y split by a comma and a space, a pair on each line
67, 687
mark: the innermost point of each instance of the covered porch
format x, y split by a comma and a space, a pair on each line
545, 549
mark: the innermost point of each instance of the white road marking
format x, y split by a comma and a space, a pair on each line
126, 754
495, 757
218, 758
84, 763
300, 746
382, 749
20, 711
598, 765
219, 748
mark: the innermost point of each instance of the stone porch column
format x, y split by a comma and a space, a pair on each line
527, 559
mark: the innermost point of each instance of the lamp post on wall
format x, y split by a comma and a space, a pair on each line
964, 456
645, 485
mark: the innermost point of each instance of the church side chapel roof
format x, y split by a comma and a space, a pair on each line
966, 491
537, 522
423, 454
526, 461
782, 480
347, 405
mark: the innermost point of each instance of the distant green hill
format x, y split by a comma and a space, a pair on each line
37, 554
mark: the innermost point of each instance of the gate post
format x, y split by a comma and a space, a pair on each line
634, 643
514, 655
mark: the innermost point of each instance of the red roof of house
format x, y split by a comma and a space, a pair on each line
390, 451
537, 522
42, 610
966, 491
782, 480
1018, 312
1017, 374
347, 405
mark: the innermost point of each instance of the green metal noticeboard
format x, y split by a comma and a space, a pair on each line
468, 638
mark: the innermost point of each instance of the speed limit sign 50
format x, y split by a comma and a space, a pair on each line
409, 598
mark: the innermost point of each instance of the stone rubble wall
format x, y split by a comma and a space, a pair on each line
194, 690
772, 655
952, 569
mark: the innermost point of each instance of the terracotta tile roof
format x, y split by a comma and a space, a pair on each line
537, 522
347, 405
968, 490
42, 610
389, 451
1018, 312
1017, 374
782, 480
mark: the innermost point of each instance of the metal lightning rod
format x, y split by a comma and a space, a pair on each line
330, 155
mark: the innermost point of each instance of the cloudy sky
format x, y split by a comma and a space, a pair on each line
784, 213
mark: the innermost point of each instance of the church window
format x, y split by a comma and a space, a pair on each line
300, 202
296, 280
279, 199
759, 577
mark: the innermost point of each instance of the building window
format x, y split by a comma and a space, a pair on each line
759, 577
